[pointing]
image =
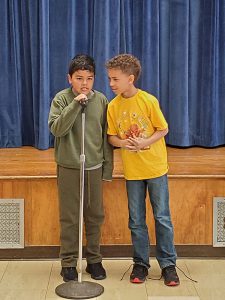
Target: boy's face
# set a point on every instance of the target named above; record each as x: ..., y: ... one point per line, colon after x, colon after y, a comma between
x: 82, y: 81
x: 120, y: 82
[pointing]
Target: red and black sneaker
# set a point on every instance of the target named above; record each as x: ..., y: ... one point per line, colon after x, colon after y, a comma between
x: 170, y: 276
x: 138, y: 274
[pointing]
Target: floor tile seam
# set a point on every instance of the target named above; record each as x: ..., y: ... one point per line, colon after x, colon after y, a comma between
x: 194, y: 283
x: 49, y: 281
x: 4, y: 272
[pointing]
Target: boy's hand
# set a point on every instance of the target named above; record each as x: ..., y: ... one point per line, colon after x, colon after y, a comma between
x: 125, y: 143
x: 82, y: 99
x: 137, y: 143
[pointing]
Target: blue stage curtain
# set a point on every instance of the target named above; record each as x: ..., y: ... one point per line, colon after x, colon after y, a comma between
x: 180, y: 43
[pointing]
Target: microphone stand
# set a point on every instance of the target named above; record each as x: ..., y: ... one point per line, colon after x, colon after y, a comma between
x: 80, y: 289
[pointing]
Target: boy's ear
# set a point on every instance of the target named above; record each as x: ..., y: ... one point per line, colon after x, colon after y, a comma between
x: 69, y: 78
x: 131, y: 79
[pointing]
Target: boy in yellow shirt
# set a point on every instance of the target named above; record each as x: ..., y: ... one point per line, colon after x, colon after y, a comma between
x: 137, y: 126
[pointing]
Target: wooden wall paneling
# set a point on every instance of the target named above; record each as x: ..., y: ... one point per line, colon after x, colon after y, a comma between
x: 191, y: 208
x: 7, y: 189
x: 45, y: 217
x: 19, y: 189
x: 1, y: 188
x: 191, y: 202
x: 22, y: 190
x: 214, y: 188
x: 196, y: 175
x: 188, y: 202
x: 115, y: 228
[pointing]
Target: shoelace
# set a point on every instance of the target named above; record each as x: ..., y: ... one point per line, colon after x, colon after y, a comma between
x: 186, y: 275
x: 179, y: 270
x: 161, y: 274
x: 126, y: 272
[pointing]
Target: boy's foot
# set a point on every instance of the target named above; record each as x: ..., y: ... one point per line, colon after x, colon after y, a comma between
x: 69, y: 273
x: 170, y: 276
x: 96, y: 270
x: 138, y: 274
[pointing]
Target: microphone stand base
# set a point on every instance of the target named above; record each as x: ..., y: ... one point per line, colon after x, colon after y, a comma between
x: 79, y: 290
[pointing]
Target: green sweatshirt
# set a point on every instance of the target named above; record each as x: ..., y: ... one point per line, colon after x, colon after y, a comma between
x: 65, y: 124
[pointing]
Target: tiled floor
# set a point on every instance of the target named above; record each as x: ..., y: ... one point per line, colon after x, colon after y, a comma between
x: 37, y: 280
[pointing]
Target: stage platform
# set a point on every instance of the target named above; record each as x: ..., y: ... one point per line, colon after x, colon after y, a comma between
x: 28, y: 162
x: 196, y: 175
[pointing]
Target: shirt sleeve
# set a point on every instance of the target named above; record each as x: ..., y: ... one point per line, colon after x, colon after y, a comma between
x: 156, y: 116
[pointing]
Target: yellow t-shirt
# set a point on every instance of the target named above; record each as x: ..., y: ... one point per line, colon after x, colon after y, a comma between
x: 141, y: 116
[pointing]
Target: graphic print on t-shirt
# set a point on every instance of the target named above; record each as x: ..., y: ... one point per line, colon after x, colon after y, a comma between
x: 131, y: 124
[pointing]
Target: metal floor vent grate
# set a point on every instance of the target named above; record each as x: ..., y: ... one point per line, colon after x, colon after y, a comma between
x: 11, y: 223
x: 219, y: 222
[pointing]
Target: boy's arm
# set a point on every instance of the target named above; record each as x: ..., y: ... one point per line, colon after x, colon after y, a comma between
x: 62, y: 116
x: 115, y: 141
x: 107, y: 148
x: 108, y: 158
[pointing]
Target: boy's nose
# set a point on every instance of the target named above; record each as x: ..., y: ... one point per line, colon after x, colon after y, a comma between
x: 84, y: 82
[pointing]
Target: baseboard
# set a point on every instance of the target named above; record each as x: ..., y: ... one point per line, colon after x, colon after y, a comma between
x: 110, y: 251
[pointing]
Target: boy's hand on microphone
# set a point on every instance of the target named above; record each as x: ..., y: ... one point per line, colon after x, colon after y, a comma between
x: 82, y: 99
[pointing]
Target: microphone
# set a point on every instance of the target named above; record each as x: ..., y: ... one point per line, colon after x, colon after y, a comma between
x: 83, y: 102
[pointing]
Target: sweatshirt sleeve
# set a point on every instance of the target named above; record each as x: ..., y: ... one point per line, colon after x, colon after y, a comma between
x: 108, y: 154
x: 62, y: 116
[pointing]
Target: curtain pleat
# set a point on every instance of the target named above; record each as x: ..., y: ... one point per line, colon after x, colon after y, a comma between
x: 180, y: 43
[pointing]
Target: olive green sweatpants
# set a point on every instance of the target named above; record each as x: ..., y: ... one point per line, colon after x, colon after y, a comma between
x: 69, y: 205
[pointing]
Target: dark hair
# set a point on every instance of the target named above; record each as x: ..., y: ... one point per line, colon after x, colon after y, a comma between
x: 82, y: 62
x: 127, y: 63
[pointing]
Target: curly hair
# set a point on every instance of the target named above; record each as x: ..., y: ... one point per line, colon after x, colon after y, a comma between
x: 127, y: 63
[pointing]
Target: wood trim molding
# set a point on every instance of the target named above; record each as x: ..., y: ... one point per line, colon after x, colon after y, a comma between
x: 110, y: 251
x: 200, y: 176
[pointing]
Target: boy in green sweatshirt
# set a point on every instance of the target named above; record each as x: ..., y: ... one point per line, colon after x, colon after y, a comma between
x: 65, y: 125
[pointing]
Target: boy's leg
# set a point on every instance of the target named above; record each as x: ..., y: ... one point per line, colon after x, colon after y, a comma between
x: 136, y: 192
x: 93, y: 218
x: 159, y: 198
x: 93, y: 214
x: 69, y: 202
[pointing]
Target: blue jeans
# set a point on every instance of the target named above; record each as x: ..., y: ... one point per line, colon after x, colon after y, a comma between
x: 159, y: 198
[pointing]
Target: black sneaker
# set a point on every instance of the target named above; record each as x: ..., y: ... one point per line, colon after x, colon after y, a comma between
x: 170, y: 276
x: 69, y: 273
x: 96, y: 270
x: 138, y: 274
